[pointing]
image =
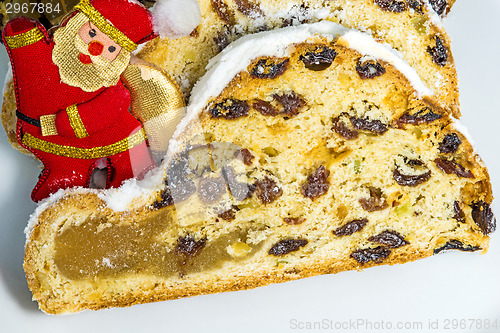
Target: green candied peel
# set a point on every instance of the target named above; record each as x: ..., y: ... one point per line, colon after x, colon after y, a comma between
x: 419, y: 23
x: 278, y: 262
x: 357, y: 166
x: 404, y: 209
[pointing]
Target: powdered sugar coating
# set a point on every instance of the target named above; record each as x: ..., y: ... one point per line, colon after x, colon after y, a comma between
x: 175, y: 18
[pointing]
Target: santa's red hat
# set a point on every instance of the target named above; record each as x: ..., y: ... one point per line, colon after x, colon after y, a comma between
x: 127, y: 22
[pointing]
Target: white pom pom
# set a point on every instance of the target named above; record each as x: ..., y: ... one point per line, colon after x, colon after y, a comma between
x: 175, y: 18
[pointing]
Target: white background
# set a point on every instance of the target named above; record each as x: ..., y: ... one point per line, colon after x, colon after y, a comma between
x: 454, y: 285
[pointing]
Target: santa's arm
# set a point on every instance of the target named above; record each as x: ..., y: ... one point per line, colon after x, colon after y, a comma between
x: 25, y: 40
x: 98, y: 114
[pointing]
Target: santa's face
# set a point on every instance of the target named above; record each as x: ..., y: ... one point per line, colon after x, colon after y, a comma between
x: 97, y: 43
x: 86, y: 57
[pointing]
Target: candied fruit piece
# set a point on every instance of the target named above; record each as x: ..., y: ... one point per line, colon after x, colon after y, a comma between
x: 239, y: 249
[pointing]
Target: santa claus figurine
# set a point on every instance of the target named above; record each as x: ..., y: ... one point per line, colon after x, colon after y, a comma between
x: 72, y: 107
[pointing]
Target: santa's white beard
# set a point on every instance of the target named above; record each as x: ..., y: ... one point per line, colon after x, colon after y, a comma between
x: 89, y: 77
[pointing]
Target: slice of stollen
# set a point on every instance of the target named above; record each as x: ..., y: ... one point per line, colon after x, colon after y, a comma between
x: 411, y: 27
x: 304, y: 152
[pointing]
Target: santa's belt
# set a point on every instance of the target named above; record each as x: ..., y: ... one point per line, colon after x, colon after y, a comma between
x: 118, y: 147
x: 27, y: 119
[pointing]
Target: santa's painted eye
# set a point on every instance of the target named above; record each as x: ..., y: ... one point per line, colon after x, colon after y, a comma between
x: 112, y: 49
x: 92, y: 33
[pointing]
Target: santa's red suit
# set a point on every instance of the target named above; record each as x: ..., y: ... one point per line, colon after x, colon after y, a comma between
x: 109, y: 133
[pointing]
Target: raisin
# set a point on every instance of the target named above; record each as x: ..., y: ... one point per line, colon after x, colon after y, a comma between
x: 457, y: 245
x: 230, y: 109
x: 439, y: 6
x: 319, y: 59
x: 394, y: 6
x: 178, y: 186
x: 459, y: 213
x: 424, y: 116
x: 377, y: 254
x: 245, y: 155
x: 269, y: 68
x: 350, y: 227
x: 223, y: 11
x: 188, y: 246
x: 228, y: 215
x: 375, y: 202
x: 416, y: 166
x: 178, y: 170
x: 341, y: 128
x: 291, y: 102
x: 211, y: 190
x: 316, y: 184
x: 483, y: 216
x: 223, y: 39
x: 265, y: 108
x: 369, y: 69
x: 165, y: 201
x: 390, y: 239
x: 410, y: 180
x: 449, y: 144
x: 294, y: 220
x: 249, y: 8
x: 267, y: 190
x: 439, y: 53
x: 416, y: 5
x: 452, y: 167
x: 238, y: 190
x: 195, y: 33
x: 286, y: 246
x: 365, y: 124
